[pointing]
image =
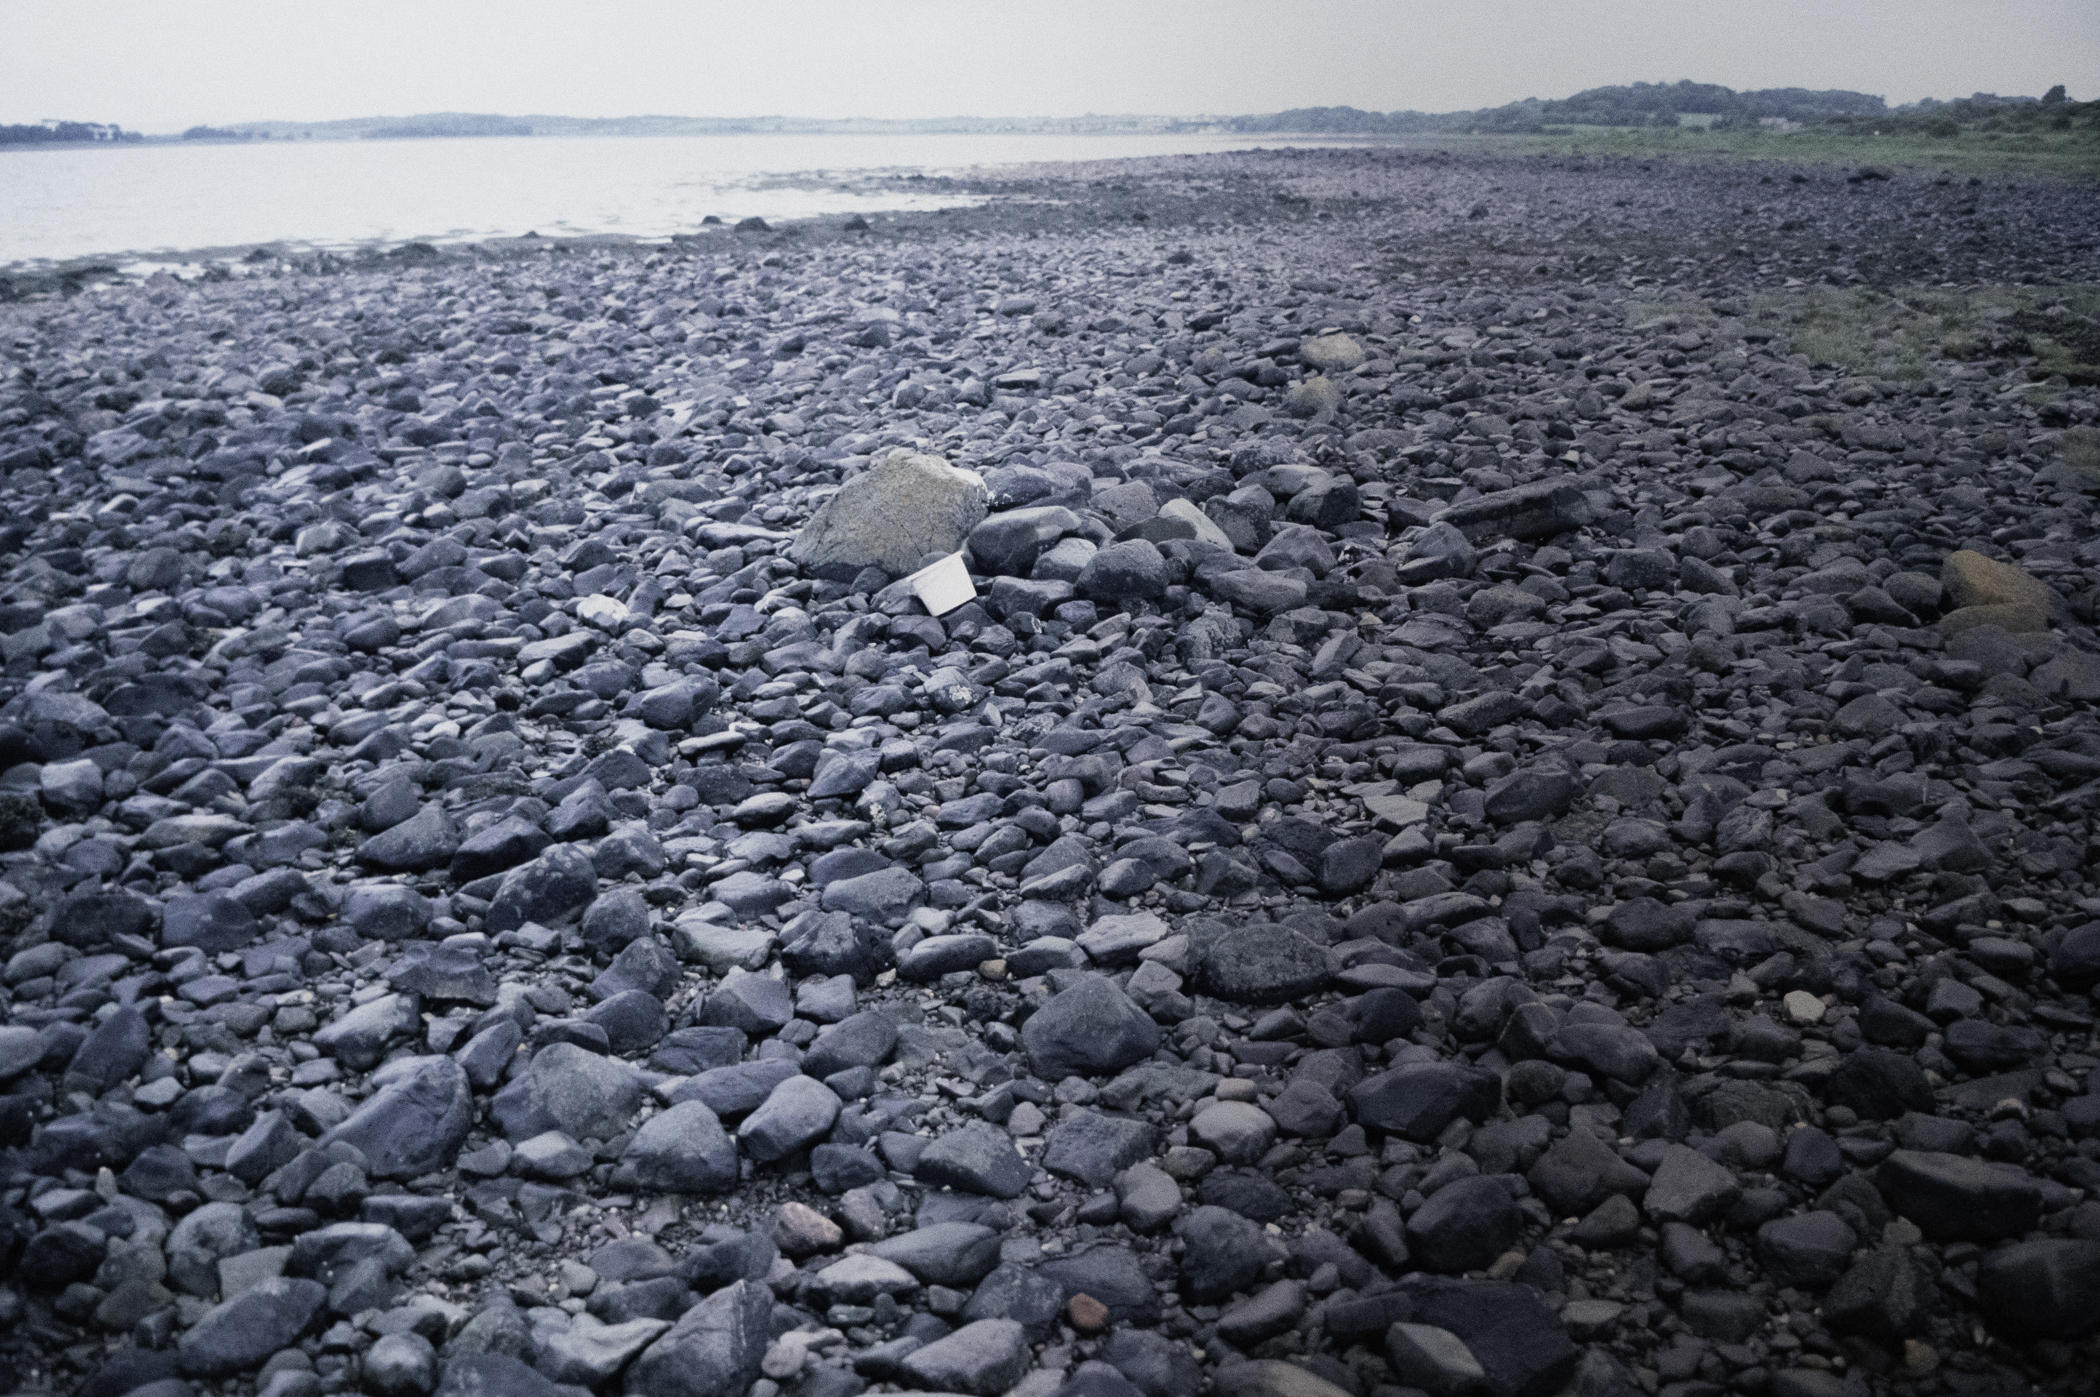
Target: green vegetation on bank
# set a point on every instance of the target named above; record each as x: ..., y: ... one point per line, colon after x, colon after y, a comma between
x: 2044, y: 154
x: 2040, y: 333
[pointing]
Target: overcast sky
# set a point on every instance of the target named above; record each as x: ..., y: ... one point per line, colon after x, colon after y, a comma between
x: 161, y: 65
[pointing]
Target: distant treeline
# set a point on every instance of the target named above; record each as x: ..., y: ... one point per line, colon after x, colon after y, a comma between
x: 1640, y: 104
x: 1662, y: 104
x: 64, y: 132
x: 1988, y: 112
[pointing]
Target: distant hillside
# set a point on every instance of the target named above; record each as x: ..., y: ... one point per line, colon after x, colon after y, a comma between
x: 1641, y: 104
x: 1638, y: 104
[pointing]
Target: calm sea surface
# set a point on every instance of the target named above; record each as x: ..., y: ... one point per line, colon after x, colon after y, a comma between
x: 167, y: 199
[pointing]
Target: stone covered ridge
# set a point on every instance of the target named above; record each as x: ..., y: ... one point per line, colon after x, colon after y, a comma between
x: 1471, y: 842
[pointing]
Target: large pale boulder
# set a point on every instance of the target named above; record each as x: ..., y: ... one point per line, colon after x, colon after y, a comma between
x: 890, y: 516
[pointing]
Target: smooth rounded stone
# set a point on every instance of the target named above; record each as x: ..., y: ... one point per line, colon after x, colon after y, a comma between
x: 2075, y: 963
x: 683, y: 1150
x: 72, y: 788
x: 589, y: 1358
x: 753, y: 1003
x: 571, y: 1089
x: 359, y: 1039
x: 386, y: 911
x: 954, y: 1254
x: 211, y: 922
x: 239, y: 1334
x: 1009, y: 542
x: 63, y: 1255
x: 1093, y: 1148
x: 1110, y: 1274
x: 1094, y: 1378
x: 1238, y: 1132
x: 984, y: 1357
x: 890, y: 516
x: 1618, y: 1051
x: 839, y: 1168
x: 90, y: 917
x: 1887, y: 1294
x: 1417, y: 1100
x: 1435, y: 1360
x: 738, y: 1088
x: 492, y: 1375
x: 1148, y: 1198
x: 832, y: 944
x: 749, y: 893
x: 1258, y: 964
x: 1955, y: 1198
x: 1243, y: 1191
x: 1532, y: 794
x: 978, y: 1158
x: 2049, y: 1287
x: 633, y: 1020
x: 1645, y: 925
x: 1271, y: 1377
x: 886, y: 896
x: 201, y: 1240
x: 1118, y: 940
x: 1688, y: 1187
x: 717, y: 946
x: 1030, y: 1297
x: 1258, y: 590
x: 401, y: 1365
x: 1222, y: 1252
x: 856, y: 1280
x: 1151, y: 1362
x: 1047, y: 953
x: 415, y: 1120
x: 426, y: 840
x: 936, y: 956
x: 1506, y: 1326
x: 716, y: 1346
x: 442, y: 972
x: 263, y: 1148
x: 739, y: 1256
x: 1614, y: 1223
x: 1807, y: 1251
x: 794, y: 1114
x: 641, y: 965
x: 112, y: 1053
x: 551, y: 890
x: 1464, y: 1226
x: 1579, y: 1172
x: 1089, y: 1029
x: 801, y: 1230
x: 1879, y: 1085
x: 497, y: 847
x: 1134, y: 570
x: 865, y: 1039
x: 1263, y: 1315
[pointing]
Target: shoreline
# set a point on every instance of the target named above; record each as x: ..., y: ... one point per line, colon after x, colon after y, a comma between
x: 1903, y: 156
x: 1516, y: 803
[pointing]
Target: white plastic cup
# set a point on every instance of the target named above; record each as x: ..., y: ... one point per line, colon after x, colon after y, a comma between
x: 944, y: 586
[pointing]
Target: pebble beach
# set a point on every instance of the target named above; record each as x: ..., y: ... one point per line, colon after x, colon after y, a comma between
x: 1496, y: 822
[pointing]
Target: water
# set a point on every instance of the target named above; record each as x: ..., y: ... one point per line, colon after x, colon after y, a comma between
x: 164, y: 200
